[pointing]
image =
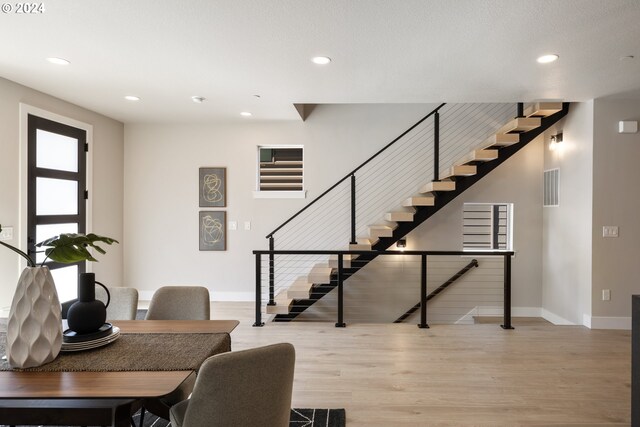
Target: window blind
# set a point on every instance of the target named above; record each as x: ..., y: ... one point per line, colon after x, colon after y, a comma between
x: 280, y: 169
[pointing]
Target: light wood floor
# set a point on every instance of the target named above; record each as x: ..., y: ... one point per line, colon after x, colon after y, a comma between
x: 453, y: 375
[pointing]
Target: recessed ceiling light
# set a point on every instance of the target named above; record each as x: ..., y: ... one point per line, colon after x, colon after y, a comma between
x: 246, y: 114
x: 256, y: 96
x: 132, y: 98
x: 198, y: 99
x: 58, y: 61
x: 545, y: 59
x: 321, y: 60
x: 627, y: 58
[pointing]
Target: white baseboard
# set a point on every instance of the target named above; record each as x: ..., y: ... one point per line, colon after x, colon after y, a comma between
x: 496, y: 311
x: 234, y: 296
x: 554, y: 318
x: 611, y: 323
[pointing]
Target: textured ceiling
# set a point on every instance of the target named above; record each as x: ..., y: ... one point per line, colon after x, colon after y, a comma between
x: 392, y: 51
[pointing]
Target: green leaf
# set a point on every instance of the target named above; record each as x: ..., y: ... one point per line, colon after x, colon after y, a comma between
x: 69, y: 248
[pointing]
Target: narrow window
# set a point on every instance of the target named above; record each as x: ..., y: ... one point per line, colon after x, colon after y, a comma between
x: 487, y: 226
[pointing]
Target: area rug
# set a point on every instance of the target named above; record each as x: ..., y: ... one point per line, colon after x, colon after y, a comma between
x: 299, y: 418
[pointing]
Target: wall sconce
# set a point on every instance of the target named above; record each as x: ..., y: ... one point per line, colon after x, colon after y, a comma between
x: 401, y: 244
x: 555, y: 141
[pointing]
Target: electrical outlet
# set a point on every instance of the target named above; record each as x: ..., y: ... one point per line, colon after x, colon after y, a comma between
x: 233, y: 225
x: 610, y: 231
x: 6, y: 233
x: 247, y: 225
x: 606, y: 295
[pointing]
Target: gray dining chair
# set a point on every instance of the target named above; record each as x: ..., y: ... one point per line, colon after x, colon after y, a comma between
x: 241, y: 388
x: 123, y: 304
x: 180, y: 303
x: 176, y: 303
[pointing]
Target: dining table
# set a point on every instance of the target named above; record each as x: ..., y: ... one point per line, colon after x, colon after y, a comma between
x: 101, y: 386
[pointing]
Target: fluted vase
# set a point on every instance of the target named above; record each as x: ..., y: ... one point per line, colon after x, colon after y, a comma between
x: 34, y: 330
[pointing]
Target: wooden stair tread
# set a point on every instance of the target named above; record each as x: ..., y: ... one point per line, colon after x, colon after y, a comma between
x: 399, y: 216
x: 366, y: 241
x: 502, y: 140
x: 461, y: 170
x: 362, y: 245
x: 283, y: 304
x: 435, y: 186
x: 520, y: 124
x: 543, y: 109
x: 377, y: 230
x: 346, y: 260
x: 300, y: 289
x: 380, y: 230
x: 483, y: 155
x: 419, y: 201
x: 320, y: 273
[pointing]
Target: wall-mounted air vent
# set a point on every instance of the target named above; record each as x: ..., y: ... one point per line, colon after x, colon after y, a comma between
x: 552, y: 187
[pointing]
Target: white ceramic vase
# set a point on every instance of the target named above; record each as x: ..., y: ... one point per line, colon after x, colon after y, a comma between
x: 34, y: 330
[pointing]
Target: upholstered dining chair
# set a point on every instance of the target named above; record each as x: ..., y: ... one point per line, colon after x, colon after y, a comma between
x: 179, y: 303
x: 176, y: 303
x: 241, y: 388
x: 124, y: 302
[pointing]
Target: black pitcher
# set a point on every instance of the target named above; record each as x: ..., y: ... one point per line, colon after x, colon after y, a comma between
x: 87, y: 314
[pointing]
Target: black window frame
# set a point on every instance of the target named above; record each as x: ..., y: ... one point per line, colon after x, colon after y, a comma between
x: 35, y: 123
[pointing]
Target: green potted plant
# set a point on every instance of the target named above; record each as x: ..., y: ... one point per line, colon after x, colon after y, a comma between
x: 35, y: 310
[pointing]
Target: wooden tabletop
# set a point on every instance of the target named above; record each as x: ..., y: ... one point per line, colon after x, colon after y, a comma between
x: 115, y: 385
x: 112, y: 385
x: 177, y: 326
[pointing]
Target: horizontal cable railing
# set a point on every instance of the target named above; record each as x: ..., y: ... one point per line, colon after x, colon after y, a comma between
x: 405, y: 276
x: 396, y: 172
x: 439, y: 289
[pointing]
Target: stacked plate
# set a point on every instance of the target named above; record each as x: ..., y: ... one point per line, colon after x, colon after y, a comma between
x: 95, y: 343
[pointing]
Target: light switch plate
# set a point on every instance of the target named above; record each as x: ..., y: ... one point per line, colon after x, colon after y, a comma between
x: 628, y: 126
x: 233, y: 225
x: 247, y: 225
x: 610, y: 231
x: 606, y: 295
x: 6, y: 233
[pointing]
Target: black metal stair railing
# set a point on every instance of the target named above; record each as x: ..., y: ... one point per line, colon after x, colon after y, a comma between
x: 341, y: 277
x: 435, y: 292
x: 344, y: 210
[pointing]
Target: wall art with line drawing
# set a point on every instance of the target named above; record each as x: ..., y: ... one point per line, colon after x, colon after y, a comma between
x: 213, y: 230
x: 213, y: 187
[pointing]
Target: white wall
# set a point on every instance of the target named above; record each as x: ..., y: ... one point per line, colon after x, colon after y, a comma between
x: 108, y: 138
x: 566, y: 230
x: 616, y: 201
x: 161, y: 194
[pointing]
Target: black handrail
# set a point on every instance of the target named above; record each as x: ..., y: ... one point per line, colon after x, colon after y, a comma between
x: 445, y: 285
x: 356, y: 169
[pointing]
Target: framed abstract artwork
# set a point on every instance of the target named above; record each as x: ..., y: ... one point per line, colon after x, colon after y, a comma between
x: 213, y: 230
x: 213, y: 187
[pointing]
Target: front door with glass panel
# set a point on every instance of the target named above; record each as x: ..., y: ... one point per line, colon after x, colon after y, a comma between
x: 56, y: 193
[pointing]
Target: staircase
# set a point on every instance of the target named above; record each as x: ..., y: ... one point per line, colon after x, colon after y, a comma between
x: 417, y: 208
